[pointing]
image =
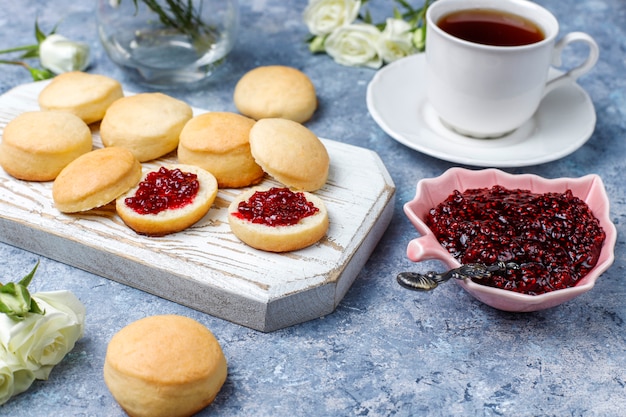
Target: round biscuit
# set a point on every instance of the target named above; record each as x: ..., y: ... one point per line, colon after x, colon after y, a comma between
x: 219, y: 143
x: 95, y: 179
x: 37, y: 145
x: 290, y: 153
x: 148, y: 124
x: 276, y: 91
x: 86, y: 95
x: 164, y: 366
x: 283, y: 238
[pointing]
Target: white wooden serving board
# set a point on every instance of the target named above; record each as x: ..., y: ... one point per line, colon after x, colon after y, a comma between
x: 206, y: 267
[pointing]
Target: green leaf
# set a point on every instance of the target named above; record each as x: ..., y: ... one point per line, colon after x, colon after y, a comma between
x: 36, y: 74
x: 32, y: 52
x: 27, y: 48
x: 15, y: 300
x: 367, y: 18
x: 40, y: 74
x: 39, y: 35
x: 29, y: 277
x: 136, y: 6
x: 316, y: 44
x: 406, y: 5
x: 34, y: 308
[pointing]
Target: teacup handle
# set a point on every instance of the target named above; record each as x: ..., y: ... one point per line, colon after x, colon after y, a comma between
x: 573, y: 74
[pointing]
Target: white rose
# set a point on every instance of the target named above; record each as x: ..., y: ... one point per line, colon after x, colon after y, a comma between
x: 355, y: 45
x: 14, y: 377
x: 42, y: 341
x: 396, y: 40
x: 59, y: 54
x: 324, y: 16
x: 7, y: 386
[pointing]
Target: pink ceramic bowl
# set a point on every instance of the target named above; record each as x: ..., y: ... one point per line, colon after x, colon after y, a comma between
x: 431, y: 192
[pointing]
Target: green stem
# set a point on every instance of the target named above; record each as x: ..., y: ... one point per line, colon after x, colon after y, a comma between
x: 180, y: 15
x: 23, y: 64
x: 19, y: 49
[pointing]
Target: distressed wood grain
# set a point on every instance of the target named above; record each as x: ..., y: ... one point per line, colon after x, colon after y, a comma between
x: 206, y: 267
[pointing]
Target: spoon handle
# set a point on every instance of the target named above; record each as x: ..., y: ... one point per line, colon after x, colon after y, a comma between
x: 430, y: 280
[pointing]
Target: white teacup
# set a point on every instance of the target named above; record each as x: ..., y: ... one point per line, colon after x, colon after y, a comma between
x: 487, y: 91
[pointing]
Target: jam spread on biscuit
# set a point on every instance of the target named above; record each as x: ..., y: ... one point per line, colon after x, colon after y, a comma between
x: 276, y: 207
x: 164, y: 189
x: 554, y: 237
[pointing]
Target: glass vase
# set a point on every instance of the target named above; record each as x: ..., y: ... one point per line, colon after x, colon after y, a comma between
x: 168, y: 43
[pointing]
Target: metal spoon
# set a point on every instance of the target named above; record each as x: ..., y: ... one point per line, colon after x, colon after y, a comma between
x: 430, y: 280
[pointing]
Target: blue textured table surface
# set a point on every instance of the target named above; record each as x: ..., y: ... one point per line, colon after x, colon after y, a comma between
x: 385, y: 350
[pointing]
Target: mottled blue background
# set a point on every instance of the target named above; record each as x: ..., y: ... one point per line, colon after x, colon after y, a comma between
x: 385, y: 351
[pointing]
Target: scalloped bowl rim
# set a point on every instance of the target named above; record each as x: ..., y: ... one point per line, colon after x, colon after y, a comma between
x: 432, y: 191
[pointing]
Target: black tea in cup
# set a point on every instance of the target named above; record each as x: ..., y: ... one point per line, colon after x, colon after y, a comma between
x: 491, y: 27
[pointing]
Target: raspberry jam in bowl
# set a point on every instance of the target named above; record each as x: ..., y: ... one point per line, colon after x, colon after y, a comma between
x: 584, y: 193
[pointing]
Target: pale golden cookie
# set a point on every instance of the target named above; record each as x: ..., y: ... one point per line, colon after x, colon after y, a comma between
x: 164, y: 366
x: 37, y: 145
x: 219, y: 142
x: 290, y: 153
x: 148, y: 124
x: 276, y: 91
x: 86, y: 95
x: 95, y: 179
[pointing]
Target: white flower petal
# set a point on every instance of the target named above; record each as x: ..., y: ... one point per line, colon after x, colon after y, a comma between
x: 15, y: 378
x: 30, y: 347
x: 355, y: 45
x: 397, y: 29
x: 324, y: 16
x: 59, y: 54
x: 396, y: 40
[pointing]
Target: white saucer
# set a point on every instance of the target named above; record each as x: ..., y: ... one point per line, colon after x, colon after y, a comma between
x: 396, y: 99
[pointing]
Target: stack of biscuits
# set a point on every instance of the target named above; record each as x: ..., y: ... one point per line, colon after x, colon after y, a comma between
x: 224, y: 149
